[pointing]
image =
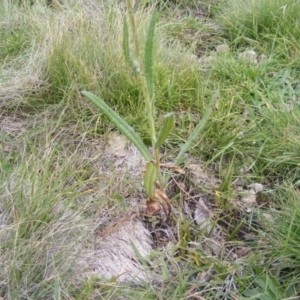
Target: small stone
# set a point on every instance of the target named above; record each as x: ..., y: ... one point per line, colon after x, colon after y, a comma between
x: 262, y: 58
x: 243, y: 251
x: 205, y: 61
x: 249, y: 197
x: 170, y: 247
x: 193, y: 57
x: 250, y: 236
x: 222, y: 48
x: 249, y: 56
x: 256, y: 187
x: 117, y: 145
x: 202, y: 217
x: 266, y: 219
x: 197, y: 170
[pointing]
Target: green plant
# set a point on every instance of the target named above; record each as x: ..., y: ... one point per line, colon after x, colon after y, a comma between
x: 143, y: 66
x: 267, y: 287
x: 260, y: 20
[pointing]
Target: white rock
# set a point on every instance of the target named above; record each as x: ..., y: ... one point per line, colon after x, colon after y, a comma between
x: 205, y: 61
x: 249, y: 197
x: 262, y: 58
x: 222, y: 48
x: 197, y: 171
x: 256, y: 187
x: 117, y: 144
x: 249, y: 56
x: 200, y: 175
x: 267, y: 219
x: 202, y: 217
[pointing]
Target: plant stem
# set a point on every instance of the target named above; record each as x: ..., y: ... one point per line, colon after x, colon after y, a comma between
x: 145, y: 88
x: 141, y: 74
x: 134, y: 33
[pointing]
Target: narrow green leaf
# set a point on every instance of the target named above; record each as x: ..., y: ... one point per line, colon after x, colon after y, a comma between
x: 275, y: 287
x: 149, y: 179
x: 149, y: 59
x: 167, y: 125
x: 56, y: 292
x: 121, y: 124
x: 5, y: 137
x: 233, y: 234
x: 126, y: 49
x: 198, y: 129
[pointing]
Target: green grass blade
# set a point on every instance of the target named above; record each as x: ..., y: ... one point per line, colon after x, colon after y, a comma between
x: 149, y: 60
x: 121, y: 124
x: 198, y: 129
x: 5, y: 137
x: 165, y: 129
x: 56, y: 292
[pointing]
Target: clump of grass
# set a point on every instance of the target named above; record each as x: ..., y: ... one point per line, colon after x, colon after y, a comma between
x: 255, y: 20
x: 13, y: 42
x: 279, y: 278
x: 54, y: 193
x: 37, y: 226
x: 22, y: 71
x: 258, y: 97
x: 268, y: 26
x: 14, y: 36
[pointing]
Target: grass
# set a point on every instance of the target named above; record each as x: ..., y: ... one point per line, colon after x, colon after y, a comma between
x: 36, y: 231
x: 60, y: 180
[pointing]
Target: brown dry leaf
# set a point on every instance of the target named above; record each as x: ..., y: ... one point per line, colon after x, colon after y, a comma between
x: 162, y: 197
x: 152, y: 207
x: 173, y: 168
x: 243, y: 251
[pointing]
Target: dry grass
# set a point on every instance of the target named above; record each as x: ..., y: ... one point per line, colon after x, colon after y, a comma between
x: 22, y: 78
